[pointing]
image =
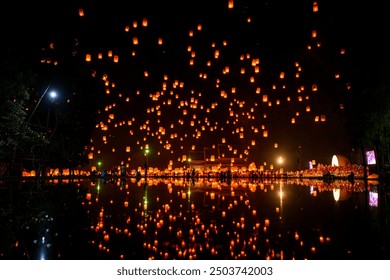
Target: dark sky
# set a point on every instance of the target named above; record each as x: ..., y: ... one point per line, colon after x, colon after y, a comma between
x: 204, y: 105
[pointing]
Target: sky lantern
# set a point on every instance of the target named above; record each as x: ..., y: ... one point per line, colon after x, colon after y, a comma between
x: 81, y: 12
x: 231, y: 4
x: 116, y: 58
x: 237, y: 112
x: 88, y: 57
x: 109, y: 53
x: 315, y: 6
x: 323, y: 118
x: 135, y: 24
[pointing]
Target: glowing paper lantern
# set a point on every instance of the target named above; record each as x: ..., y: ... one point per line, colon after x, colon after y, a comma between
x: 315, y: 6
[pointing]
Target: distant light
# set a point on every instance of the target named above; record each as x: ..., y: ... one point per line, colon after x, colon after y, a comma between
x: 53, y: 94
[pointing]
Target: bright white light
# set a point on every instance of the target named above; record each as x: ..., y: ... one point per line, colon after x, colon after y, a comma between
x: 280, y: 160
x: 53, y: 94
x: 335, y: 161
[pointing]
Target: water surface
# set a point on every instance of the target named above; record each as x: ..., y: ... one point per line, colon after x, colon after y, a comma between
x: 193, y: 219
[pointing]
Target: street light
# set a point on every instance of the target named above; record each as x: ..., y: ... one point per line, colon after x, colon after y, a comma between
x: 280, y: 161
x: 53, y: 95
x: 146, y: 162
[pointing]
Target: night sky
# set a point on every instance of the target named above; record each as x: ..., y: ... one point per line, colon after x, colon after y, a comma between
x: 197, y: 75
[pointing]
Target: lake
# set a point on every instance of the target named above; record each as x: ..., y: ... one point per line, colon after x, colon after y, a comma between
x: 202, y: 218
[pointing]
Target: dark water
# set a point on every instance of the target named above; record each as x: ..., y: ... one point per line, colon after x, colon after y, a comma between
x: 200, y: 219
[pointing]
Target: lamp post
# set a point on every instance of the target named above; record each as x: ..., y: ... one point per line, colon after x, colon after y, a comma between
x: 280, y: 163
x: 53, y: 95
x: 146, y: 162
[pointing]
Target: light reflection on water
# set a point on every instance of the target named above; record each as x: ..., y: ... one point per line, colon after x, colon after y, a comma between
x: 194, y: 219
